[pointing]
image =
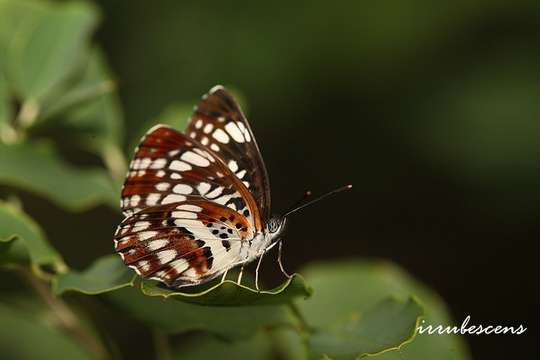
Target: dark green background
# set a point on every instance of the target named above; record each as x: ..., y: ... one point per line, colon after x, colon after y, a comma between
x: 431, y: 110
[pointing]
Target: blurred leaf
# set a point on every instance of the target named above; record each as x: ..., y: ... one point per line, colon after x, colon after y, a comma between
x: 367, y: 283
x: 92, y: 81
x: 42, y: 43
x: 388, y: 325
x: 37, y: 168
x: 21, y: 240
x: 256, y: 347
x: 7, y: 133
x: 24, y: 337
x: 105, y: 274
x: 94, y: 116
x: 230, y: 322
x: 269, y: 343
x: 482, y: 128
x: 229, y: 293
x: 176, y: 115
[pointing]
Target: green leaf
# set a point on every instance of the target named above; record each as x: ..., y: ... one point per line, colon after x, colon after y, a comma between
x: 229, y: 293
x: 366, y: 283
x: 24, y: 337
x: 387, y: 326
x: 230, y: 322
x: 38, y: 169
x: 7, y: 134
x: 92, y: 114
x: 268, y: 343
x: 22, y: 241
x: 105, y: 274
x: 42, y: 43
x: 257, y: 347
x: 176, y: 115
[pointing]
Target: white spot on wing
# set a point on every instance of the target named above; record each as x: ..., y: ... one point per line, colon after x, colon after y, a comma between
x: 141, y: 225
x: 184, y: 215
x: 189, y: 207
x: 157, y: 244
x: 203, y: 188
x: 216, y: 192
x: 145, y: 235
x: 152, y: 199
x: 158, y: 163
x: 163, y: 186
x: 215, y: 88
x: 166, y: 256
x: 241, y: 174
x: 208, y: 128
x: 182, y: 189
x: 145, y: 163
x: 173, y: 198
x: 214, y: 147
x: 195, y: 159
x: 176, y: 176
x: 233, y: 166
x: 235, y: 132
x: 241, y: 126
x: 221, y: 136
x: 180, y: 166
x: 143, y: 265
x: 179, y: 265
x: 198, y: 124
x: 134, y: 200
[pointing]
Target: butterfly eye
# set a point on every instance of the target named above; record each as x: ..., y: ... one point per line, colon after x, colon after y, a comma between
x: 274, y: 225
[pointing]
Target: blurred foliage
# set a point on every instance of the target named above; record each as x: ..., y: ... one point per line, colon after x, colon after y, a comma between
x: 57, y: 99
x: 22, y: 242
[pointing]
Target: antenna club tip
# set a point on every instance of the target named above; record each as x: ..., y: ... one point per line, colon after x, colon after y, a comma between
x: 308, y: 193
x: 348, y: 186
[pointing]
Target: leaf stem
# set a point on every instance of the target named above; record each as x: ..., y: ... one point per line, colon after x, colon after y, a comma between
x: 68, y: 320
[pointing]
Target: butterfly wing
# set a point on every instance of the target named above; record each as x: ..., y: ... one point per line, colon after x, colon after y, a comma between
x: 183, y: 243
x: 175, y: 192
x: 219, y: 124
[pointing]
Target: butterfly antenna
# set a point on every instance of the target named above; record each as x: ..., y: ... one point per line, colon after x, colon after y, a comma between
x: 295, y: 208
x: 297, y: 203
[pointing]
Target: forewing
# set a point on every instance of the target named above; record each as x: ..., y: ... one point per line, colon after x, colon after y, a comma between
x: 169, y: 167
x: 183, y: 243
x: 219, y: 124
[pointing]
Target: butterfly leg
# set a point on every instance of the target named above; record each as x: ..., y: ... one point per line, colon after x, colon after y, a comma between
x: 279, y: 261
x: 240, y: 275
x: 257, y: 272
x: 224, y: 275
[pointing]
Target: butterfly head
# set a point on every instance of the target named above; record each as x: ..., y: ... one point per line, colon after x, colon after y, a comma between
x: 275, y: 227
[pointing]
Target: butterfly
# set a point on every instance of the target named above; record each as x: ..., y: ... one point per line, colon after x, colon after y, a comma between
x: 197, y: 204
